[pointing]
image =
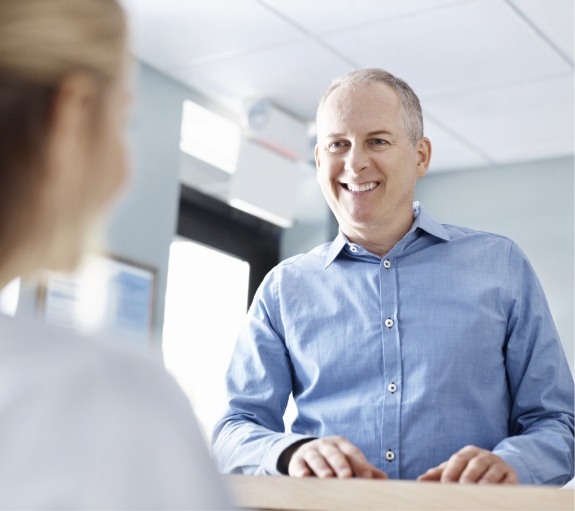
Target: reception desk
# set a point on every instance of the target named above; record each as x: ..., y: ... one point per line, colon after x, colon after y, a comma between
x: 312, y: 494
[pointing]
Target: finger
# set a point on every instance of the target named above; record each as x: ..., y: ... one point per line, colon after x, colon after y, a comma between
x: 433, y: 474
x: 495, y: 474
x: 300, y: 470
x: 378, y: 474
x: 337, y: 460
x: 358, y: 462
x: 298, y: 467
x: 321, y: 457
x: 499, y: 473
x: 368, y: 471
x: 332, y: 456
x: 317, y: 464
x: 488, y: 468
x: 511, y: 477
x: 457, y: 464
x: 453, y: 470
x: 478, y: 467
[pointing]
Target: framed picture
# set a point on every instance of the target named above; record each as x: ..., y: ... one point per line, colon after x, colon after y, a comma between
x: 108, y: 294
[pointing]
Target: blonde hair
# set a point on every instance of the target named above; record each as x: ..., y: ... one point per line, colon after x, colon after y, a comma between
x: 411, y: 114
x: 41, y: 43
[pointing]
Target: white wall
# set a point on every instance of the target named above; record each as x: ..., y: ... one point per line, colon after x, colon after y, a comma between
x: 312, y: 225
x: 531, y: 203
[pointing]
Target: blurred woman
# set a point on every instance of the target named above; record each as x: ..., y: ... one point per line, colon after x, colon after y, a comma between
x: 82, y: 424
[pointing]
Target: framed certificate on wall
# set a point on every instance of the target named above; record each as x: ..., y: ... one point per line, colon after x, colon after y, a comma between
x: 108, y: 294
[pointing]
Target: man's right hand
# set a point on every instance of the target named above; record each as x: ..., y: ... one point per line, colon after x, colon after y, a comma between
x: 332, y: 456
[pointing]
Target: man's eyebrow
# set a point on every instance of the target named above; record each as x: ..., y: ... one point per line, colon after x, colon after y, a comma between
x: 379, y: 132
x: 369, y: 134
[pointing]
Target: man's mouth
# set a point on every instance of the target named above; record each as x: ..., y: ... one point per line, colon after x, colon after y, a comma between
x: 364, y: 187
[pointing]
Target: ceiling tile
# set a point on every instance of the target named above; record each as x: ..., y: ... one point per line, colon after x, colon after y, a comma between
x: 555, y: 19
x: 170, y: 32
x: 289, y: 76
x: 323, y: 16
x: 459, y: 47
x: 448, y: 152
x: 529, y: 121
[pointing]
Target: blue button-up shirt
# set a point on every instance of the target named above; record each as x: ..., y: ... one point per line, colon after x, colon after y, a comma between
x: 444, y: 342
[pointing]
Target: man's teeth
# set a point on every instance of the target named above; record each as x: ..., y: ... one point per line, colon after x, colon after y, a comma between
x: 361, y: 188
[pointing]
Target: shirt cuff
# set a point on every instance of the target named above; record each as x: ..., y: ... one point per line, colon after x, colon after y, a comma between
x: 523, y: 473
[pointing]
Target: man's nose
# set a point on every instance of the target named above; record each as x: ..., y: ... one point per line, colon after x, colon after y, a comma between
x: 356, y: 159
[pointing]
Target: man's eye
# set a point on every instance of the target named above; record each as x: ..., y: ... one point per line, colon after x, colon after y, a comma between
x: 336, y: 146
x: 378, y: 141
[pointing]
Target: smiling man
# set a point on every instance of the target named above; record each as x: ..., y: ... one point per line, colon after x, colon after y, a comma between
x: 368, y: 162
x: 413, y: 350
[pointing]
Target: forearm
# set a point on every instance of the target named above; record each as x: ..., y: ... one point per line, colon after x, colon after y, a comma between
x: 540, y: 442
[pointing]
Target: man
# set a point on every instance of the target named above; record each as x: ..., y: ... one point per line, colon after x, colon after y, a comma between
x: 413, y: 350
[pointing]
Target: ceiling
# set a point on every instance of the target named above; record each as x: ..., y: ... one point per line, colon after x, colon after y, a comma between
x: 495, y: 77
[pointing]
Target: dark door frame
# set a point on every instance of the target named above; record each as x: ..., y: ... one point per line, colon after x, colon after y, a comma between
x: 209, y: 221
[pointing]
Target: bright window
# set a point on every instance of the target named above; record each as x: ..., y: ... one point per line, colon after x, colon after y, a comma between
x: 9, y: 297
x: 206, y: 303
x: 210, y: 137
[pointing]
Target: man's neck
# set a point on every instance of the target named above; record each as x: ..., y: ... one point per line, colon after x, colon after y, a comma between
x: 380, y: 240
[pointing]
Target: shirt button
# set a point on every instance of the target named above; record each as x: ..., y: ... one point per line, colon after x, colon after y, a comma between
x: 388, y: 323
x: 389, y: 455
x: 353, y: 248
x: 387, y: 264
x: 392, y: 387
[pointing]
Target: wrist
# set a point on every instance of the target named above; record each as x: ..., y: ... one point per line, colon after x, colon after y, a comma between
x: 286, y: 455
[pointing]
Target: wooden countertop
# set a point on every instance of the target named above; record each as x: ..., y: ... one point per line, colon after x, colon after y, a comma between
x: 312, y: 494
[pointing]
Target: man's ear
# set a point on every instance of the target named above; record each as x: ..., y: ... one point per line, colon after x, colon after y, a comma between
x: 316, y: 161
x: 423, y: 150
x: 71, y: 121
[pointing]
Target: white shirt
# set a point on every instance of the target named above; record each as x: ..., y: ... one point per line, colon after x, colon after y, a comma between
x: 84, y: 424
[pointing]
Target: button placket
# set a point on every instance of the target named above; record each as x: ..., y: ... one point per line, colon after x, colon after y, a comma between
x: 391, y: 344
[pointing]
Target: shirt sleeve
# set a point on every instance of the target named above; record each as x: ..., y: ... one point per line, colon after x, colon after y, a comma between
x: 540, y: 445
x: 251, y: 436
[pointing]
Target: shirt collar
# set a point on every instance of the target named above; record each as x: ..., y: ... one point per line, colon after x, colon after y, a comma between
x: 422, y: 220
x: 426, y: 223
x: 335, y: 248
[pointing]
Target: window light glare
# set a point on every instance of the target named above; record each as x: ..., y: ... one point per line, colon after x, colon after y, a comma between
x: 209, y: 136
x: 9, y: 298
x: 197, y: 344
x: 286, y: 223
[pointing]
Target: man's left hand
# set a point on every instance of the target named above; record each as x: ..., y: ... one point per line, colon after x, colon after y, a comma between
x: 472, y: 465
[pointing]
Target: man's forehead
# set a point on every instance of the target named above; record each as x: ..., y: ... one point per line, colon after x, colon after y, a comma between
x: 362, y: 93
x: 357, y: 104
